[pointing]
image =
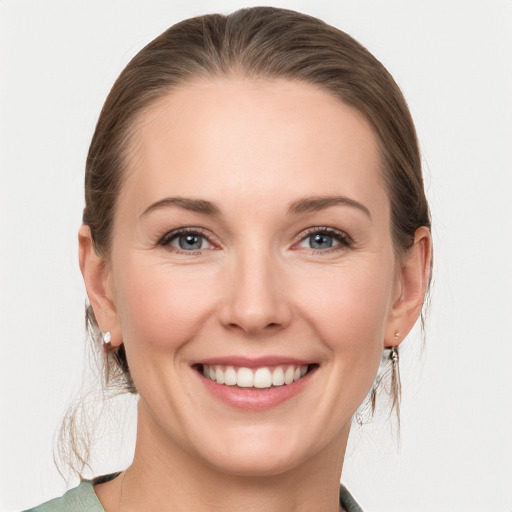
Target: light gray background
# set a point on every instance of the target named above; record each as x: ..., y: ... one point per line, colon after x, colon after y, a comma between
x: 453, y: 59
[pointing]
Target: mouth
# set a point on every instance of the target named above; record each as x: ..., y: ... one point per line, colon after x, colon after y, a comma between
x: 260, y: 377
x: 255, y: 384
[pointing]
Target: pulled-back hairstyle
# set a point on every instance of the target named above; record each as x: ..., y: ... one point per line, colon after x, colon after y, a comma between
x: 263, y: 43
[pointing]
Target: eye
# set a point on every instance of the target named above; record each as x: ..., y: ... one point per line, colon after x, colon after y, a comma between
x: 325, y: 239
x: 186, y: 240
x: 321, y: 241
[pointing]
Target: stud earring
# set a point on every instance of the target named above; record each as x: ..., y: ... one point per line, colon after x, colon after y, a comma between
x: 107, y: 338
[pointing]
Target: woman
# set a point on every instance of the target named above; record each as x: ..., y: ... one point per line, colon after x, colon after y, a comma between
x: 255, y: 238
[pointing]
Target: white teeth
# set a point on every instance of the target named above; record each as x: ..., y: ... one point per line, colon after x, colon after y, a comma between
x: 230, y: 376
x: 288, y: 375
x: 244, y: 378
x: 219, y: 376
x: 262, y: 378
x: 278, y: 377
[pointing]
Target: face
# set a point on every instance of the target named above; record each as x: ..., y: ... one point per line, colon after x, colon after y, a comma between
x: 252, y: 272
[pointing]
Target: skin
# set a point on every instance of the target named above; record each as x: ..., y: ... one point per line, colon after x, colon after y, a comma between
x: 255, y: 288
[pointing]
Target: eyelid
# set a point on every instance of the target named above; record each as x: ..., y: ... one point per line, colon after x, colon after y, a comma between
x: 344, y: 239
x: 188, y: 230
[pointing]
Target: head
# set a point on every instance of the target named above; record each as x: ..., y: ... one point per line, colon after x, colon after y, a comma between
x: 255, y: 64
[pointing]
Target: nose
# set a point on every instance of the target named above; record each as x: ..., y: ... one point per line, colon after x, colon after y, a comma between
x: 256, y: 300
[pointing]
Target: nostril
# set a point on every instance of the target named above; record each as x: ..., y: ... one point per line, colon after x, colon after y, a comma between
x: 253, y: 326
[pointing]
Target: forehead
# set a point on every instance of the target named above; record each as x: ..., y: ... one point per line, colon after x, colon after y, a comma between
x: 237, y: 137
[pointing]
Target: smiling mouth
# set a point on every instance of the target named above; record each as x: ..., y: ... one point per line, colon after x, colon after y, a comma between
x: 263, y: 377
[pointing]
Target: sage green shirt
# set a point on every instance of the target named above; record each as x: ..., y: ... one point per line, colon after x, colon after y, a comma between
x: 84, y: 499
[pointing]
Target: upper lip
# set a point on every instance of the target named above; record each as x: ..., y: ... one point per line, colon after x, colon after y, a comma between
x: 253, y: 362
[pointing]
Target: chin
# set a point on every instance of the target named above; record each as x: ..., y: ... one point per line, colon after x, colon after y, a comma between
x: 257, y: 463
x: 264, y: 451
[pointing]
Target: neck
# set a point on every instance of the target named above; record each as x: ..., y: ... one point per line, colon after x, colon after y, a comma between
x: 163, y: 476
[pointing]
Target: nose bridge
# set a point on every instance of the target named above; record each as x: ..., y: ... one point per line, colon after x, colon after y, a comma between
x: 256, y: 298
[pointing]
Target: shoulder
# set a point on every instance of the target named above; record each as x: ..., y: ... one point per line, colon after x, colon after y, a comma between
x: 80, y: 499
x: 347, y: 502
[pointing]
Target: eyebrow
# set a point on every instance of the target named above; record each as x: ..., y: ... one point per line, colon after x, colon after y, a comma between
x: 317, y: 203
x: 303, y: 205
x: 193, y: 205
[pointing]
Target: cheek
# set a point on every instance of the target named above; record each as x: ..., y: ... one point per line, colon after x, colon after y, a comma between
x: 349, y: 308
x: 160, y: 305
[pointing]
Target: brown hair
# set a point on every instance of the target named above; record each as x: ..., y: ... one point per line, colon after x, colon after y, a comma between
x: 260, y: 42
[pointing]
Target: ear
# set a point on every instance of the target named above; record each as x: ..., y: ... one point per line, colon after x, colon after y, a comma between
x: 98, y: 284
x: 412, y: 282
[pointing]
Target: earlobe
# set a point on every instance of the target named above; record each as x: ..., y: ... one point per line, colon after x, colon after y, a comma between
x: 414, y: 276
x: 98, y: 283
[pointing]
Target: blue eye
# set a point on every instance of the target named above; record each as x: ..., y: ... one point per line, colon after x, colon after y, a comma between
x: 325, y: 239
x: 186, y: 240
x: 190, y: 242
x: 320, y: 241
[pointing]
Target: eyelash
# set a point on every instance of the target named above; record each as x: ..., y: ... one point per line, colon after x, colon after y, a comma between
x: 171, y: 235
x: 344, y: 240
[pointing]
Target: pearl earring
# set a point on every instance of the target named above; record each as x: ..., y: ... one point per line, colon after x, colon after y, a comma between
x: 106, y: 337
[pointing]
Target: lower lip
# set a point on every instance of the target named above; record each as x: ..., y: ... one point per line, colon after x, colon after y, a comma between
x: 254, y: 399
